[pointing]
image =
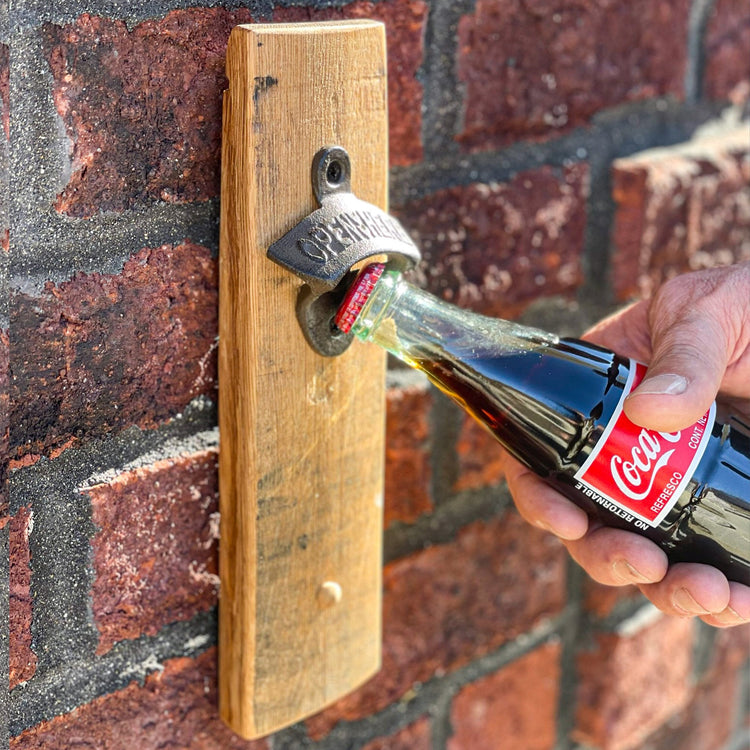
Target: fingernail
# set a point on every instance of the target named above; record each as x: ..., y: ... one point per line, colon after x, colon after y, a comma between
x: 728, y: 617
x: 626, y: 573
x: 660, y: 385
x: 683, y: 601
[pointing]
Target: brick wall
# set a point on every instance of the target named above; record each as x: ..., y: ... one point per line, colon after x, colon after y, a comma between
x: 551, y: 158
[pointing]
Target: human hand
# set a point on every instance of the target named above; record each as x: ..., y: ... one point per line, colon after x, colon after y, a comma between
x: 695, y: 333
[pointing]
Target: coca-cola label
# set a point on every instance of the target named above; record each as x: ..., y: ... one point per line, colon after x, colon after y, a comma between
x: 638, y: 473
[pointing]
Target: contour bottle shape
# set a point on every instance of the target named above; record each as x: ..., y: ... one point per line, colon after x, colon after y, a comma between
x: 556, y: 405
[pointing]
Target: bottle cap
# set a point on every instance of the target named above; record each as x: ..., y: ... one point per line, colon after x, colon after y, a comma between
x: 359, y: 292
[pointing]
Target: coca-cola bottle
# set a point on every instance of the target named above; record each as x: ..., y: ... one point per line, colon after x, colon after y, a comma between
x: 556, y: 405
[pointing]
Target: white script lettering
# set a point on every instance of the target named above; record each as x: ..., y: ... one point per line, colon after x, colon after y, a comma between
x: 644, y: 464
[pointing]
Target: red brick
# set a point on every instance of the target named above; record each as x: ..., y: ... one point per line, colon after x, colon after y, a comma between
x: 498, y: 247
x: 533, y: 69
x: 4, y: 423
x: 731, y: 649
x: 416, y: 736
x: 630, y: 683
x: 680, y: 208
x: 727, y: 49
x: 175, y: 709
x: 405, y: 27
x: 155, y: 552
x: 141, y: 107
x: 479, y: 457
x: 515, y: 707
x: 601, y: 600
x: 706, y: 723
x: 708, y: 720
x: 22, y: 658
x: 452, y: 603
x: 102, y: 352
x: 407, y: 455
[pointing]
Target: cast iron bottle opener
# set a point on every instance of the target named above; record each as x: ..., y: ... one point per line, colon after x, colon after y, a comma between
x: 324, y: 246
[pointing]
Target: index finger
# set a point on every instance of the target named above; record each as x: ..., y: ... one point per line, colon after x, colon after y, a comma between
x: 541, y: 505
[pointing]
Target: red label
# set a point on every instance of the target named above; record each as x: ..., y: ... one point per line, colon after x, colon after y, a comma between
x: 642, y: 472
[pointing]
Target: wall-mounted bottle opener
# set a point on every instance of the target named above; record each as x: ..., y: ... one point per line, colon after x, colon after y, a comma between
x: 302, y: 435
x: 324, y: 247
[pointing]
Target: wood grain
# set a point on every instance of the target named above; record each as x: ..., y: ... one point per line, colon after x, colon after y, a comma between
x: 301, y: 460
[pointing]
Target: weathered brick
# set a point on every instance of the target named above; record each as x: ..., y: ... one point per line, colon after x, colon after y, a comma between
x: 452, y: 603
x: 514, y: 707
x: 709, y: 719
x: 407, y: 455
x: 155, y: 551
x: 727, y: 49
x: 479, y: 457
x: 680, y: 208
x: 416, y: 736
x: 601, y: 600
x: 101, y: 352
x: 498, y: 247
x: 4, y: 423
x: 634, y: 680
x: 533, y: 69
x: 174, y: 709
x: 405, y: 23
x: 731, y: 650
x: 141, y: 106
x: 21, y: 657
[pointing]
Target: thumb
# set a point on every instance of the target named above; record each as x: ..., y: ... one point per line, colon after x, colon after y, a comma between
x: 689, y: 359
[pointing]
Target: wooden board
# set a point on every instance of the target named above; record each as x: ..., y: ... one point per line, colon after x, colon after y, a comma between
x: 301, y: 461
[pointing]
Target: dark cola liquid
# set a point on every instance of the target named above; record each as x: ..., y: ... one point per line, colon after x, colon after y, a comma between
x: 548, y: 406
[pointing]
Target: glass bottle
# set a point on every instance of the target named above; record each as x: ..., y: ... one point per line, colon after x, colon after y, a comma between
x: 556, y: 405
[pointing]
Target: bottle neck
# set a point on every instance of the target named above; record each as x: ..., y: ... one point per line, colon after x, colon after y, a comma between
x: 538, y: 395
x: 415, y: 326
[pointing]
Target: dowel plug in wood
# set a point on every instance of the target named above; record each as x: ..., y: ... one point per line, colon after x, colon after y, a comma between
x: 329, y: 594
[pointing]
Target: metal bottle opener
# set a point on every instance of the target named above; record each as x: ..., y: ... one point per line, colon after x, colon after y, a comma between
x: 324, y: 246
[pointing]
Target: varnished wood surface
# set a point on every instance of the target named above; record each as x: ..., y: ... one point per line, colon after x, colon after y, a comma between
x: 301, y: 458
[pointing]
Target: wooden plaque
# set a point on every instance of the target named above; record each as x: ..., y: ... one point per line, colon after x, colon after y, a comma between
x: 301, y: 455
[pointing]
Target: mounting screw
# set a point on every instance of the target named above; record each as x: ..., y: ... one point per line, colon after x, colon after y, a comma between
x: 331, y: 172
x: 334, y: 173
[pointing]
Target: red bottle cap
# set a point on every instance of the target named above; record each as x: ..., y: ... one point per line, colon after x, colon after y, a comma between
x: 359, y: 292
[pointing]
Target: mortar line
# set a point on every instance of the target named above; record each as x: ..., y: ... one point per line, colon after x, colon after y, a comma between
x: 39, y: 12
x: 74, y: 466
x: 78, y: 682
x: 700, y: 15
x: 445, y: 522
x: 88, y: 245
x: 622, y: 130
x: 445, y: 421
x: 402, y: 713
x: 442, y: 91
x: 52, y: 246
x: 571, y: 633
x: 62, y: 626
